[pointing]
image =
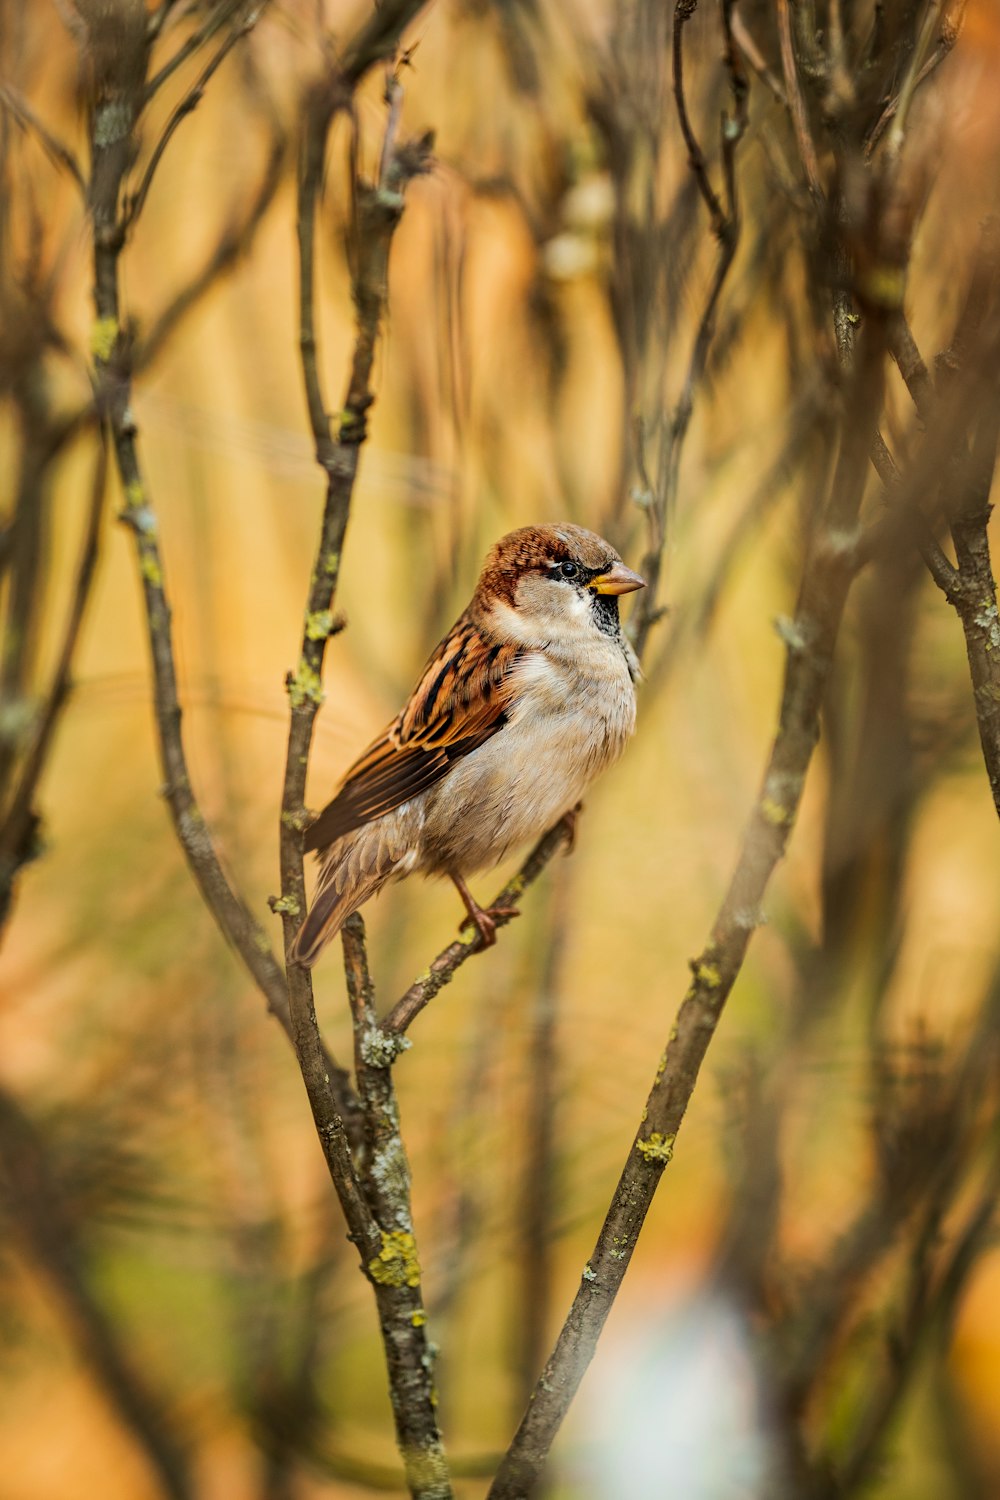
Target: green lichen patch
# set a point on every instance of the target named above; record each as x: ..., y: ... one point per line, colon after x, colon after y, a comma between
x: 151, y: 570
x: 304, y: 686
x: 103, y: 336
x: 286, y: 906
x: 656, y: 1147
x: 319, y: 624
x: 774, y: 813
x: 396, y: 1264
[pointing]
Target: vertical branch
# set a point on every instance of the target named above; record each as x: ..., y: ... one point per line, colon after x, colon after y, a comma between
x: 963, y: 423
x: 118, y: 59
x: 18, y: 821
x: 797, y: 104
x: 395, y: 1270
x: 388, y: 1247
x: 538, y: 1171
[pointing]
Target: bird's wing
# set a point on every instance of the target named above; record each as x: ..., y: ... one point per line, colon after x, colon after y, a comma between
x: 459, y: 703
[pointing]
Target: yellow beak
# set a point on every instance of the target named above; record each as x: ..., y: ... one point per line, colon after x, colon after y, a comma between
x: 617, y: 580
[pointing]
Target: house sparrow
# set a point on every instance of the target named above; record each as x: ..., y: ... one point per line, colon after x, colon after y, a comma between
x: 527, y: 698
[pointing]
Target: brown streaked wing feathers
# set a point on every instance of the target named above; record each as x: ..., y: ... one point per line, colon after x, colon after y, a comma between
x: 459, y: 703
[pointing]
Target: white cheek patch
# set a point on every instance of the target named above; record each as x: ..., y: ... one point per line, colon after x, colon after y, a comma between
x: 511, y: 624
x: 547, y: 609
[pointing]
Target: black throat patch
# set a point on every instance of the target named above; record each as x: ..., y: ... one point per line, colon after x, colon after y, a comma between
x: 605, y: 611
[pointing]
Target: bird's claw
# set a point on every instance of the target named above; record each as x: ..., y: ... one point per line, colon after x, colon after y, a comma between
x: 485, y: 921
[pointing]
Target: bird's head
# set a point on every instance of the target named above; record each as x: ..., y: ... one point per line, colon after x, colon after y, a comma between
x: 545, y: 583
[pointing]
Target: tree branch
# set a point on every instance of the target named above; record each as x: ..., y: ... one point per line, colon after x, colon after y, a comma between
x: 395, y: 1270
x: 444, y: 968
x: 18, y: 819
x: 390, y: 1258
x: 810, y: 640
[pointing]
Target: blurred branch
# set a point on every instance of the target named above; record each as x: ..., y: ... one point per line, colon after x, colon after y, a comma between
x: 218, y: 17
x: 377, y: 39
x: 966, y: 421
x: 234, y: 241
x: 52, y: 1247
x: 797, y: 104
x: 134, y: 202
x: 658, y: 499
x: 18, y: 818
x: 951, y: 27
x: 756, y: 59
x: 56, y: 149
x: 690, y: 623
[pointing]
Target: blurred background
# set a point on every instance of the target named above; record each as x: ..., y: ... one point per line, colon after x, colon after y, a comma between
x: 161, y: 1184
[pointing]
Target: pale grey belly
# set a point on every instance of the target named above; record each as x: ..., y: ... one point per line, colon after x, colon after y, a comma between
x: 510, y: 790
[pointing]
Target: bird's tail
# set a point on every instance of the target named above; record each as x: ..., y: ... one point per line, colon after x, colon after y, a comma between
x: 350, y: 876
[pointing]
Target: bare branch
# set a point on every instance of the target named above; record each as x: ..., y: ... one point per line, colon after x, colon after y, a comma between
x: 56, y: 149
x: 810, y: 640
x: 18, y: 816
x: 797, y: 105
x: 232, y: 244
x: 659, y: 498
x: 189, y: 103
x: 444, y: 968
x: 390, y: 1256
x: 217, y: 18
x: 756, y: 59
x: 395, y: 1272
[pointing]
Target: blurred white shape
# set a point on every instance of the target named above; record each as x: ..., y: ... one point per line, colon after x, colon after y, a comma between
x: 676, y: 1410
x: 567, y: 256
x: 589, y: 203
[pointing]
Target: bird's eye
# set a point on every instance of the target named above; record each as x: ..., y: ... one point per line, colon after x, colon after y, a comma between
x: 569, y: 570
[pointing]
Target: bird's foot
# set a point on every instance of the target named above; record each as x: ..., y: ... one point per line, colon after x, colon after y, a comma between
x: 487, y: 919
x: 569, y: 822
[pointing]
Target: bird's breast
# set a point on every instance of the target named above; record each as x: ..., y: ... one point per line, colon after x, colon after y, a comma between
x: 567, y: 721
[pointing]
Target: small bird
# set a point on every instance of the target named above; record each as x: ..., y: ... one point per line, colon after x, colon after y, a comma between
x: 528, y: 697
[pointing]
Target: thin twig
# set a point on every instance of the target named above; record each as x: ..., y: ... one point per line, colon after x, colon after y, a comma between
x: 659, y: 499
x: 911, y: 80
x: 18, y: 815
x: 218, y: 18
x: 967, y: 430
x: 683, y: 11
x: 56, y: 149
x: 444, y: 968
x: 797, y: 105
x: 113, y: 395
x: 756, y: 59
x: 189, y: 103
x: 232, y: 244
